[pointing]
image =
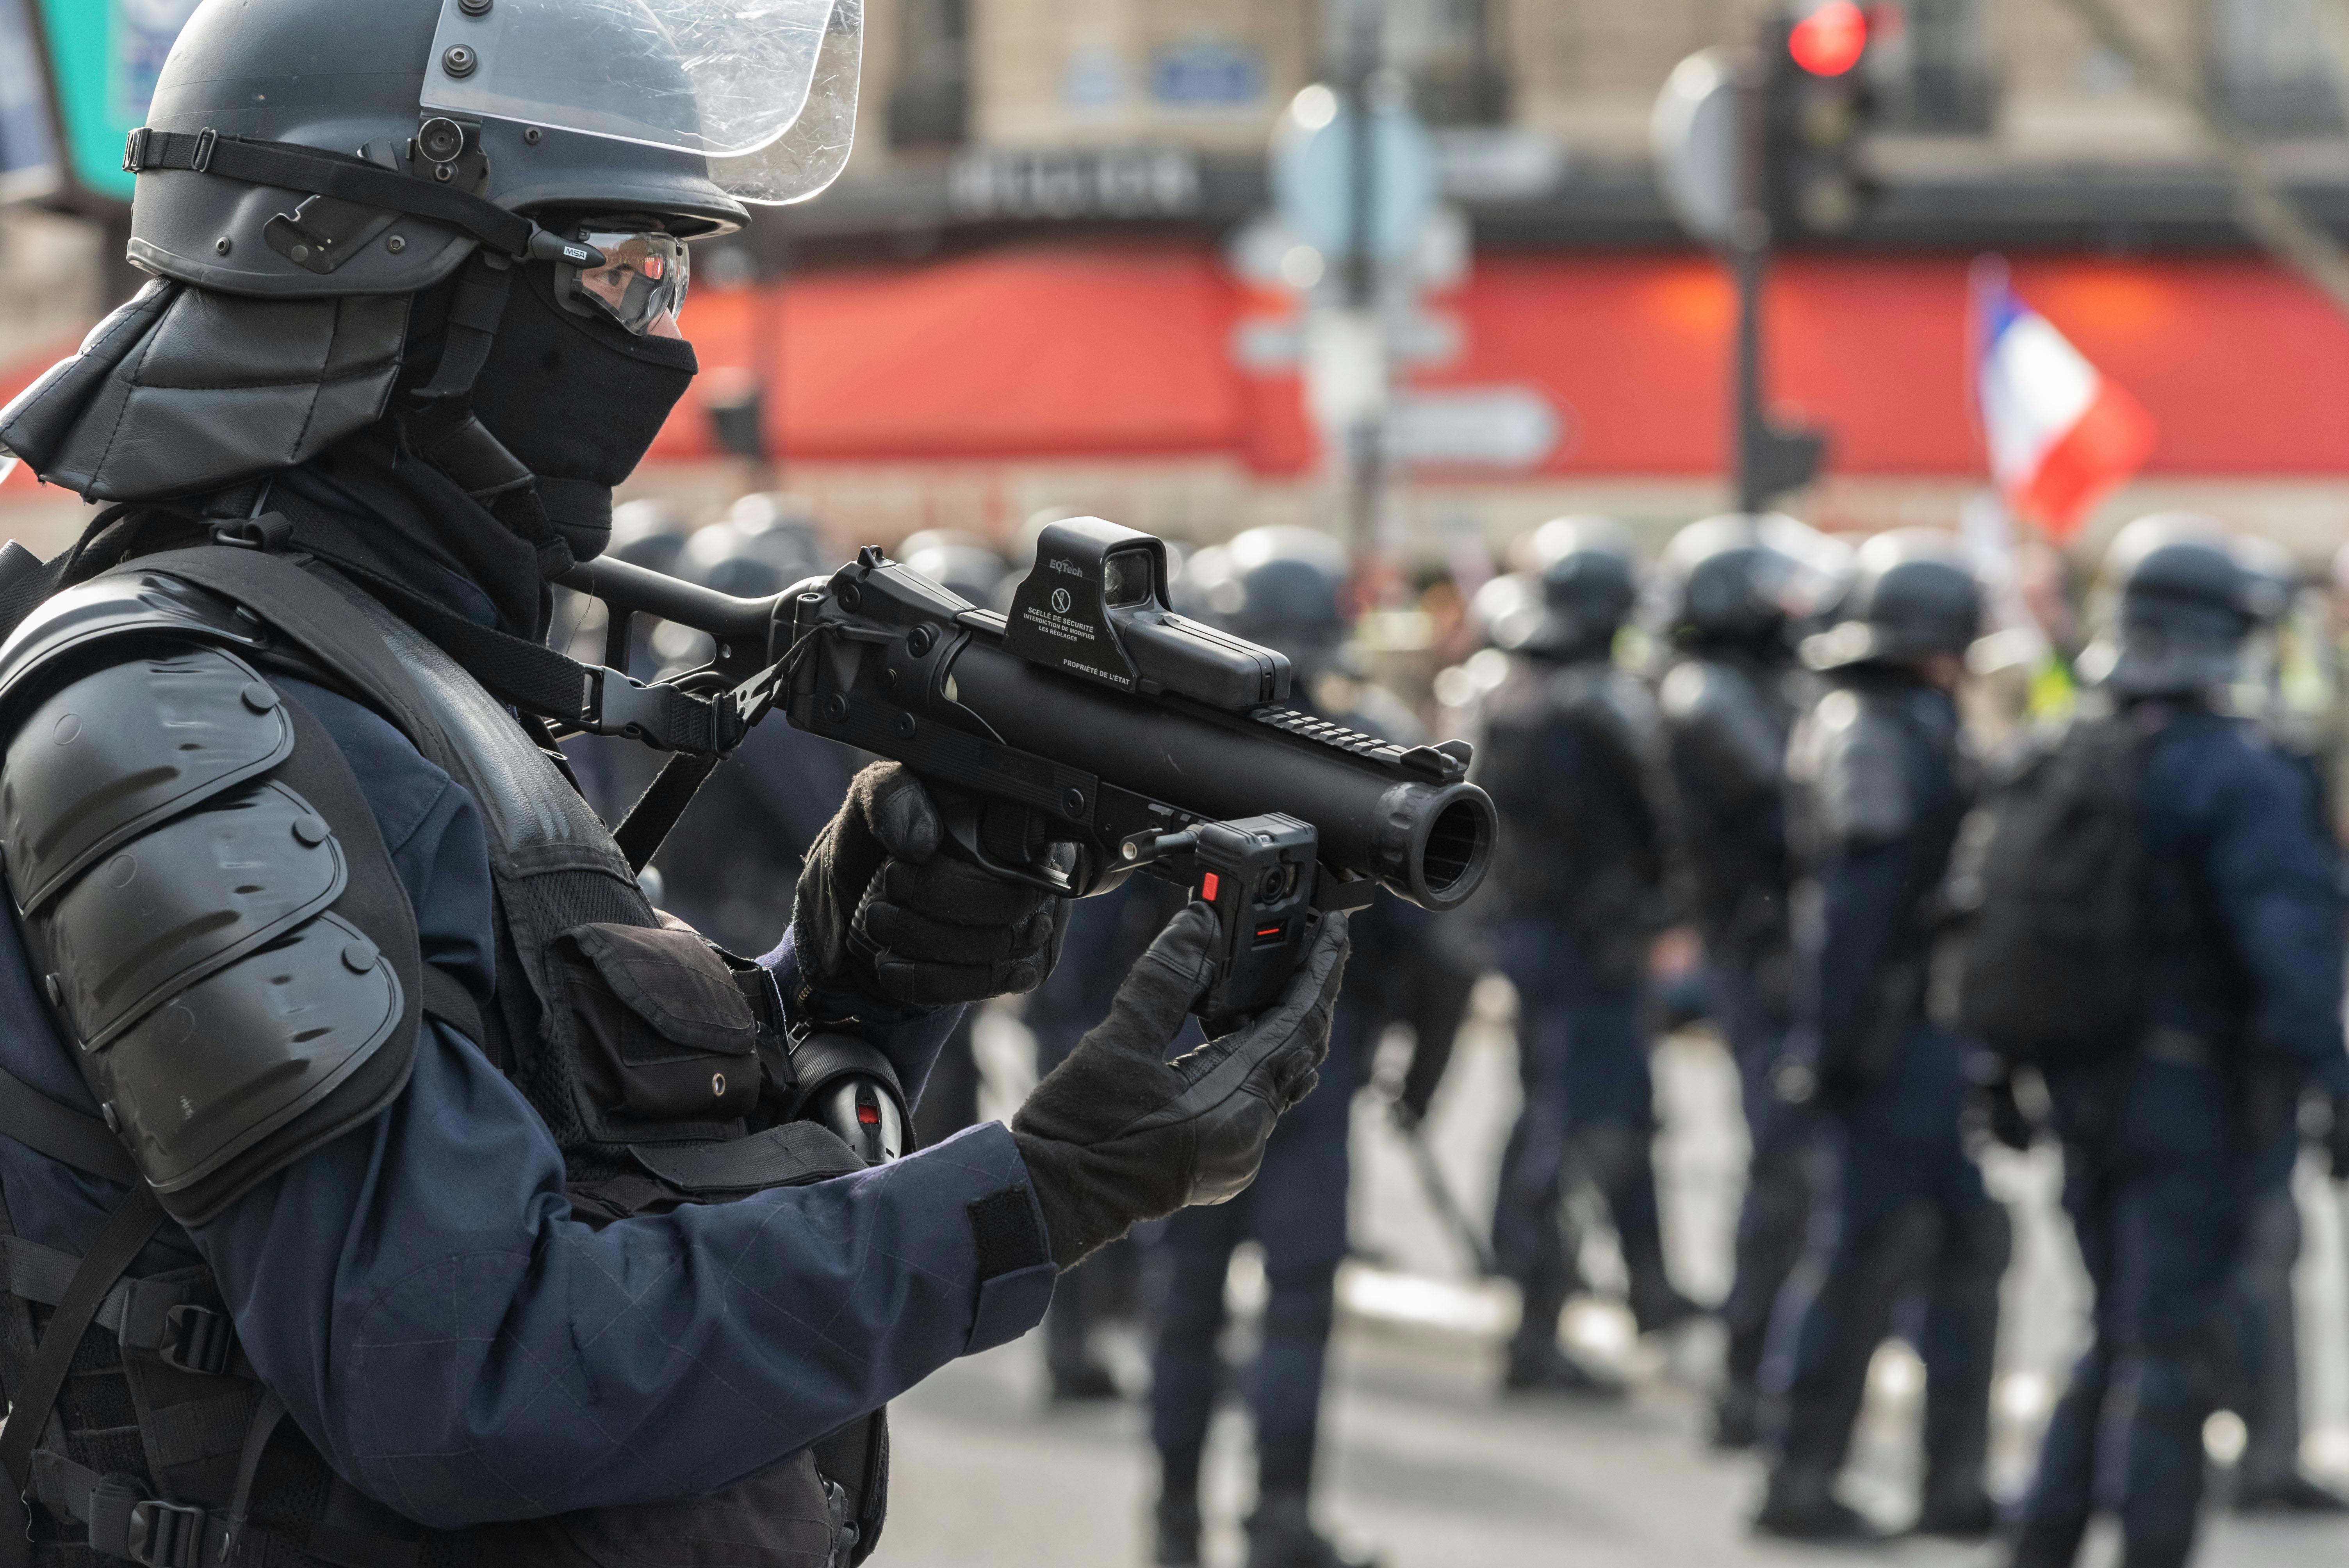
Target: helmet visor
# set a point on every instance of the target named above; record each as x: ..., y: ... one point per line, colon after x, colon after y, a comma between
x: 641, y: 285
x: 728, y: 79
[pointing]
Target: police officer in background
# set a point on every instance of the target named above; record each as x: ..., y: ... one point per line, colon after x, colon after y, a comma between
x: 466, y: 1202
x: 1280, y: 587
x: 1567, y: 747
x: 1879, y: 785
x: 2172, y: 1138
x: 1733, y: 591
x: 2290, y: 689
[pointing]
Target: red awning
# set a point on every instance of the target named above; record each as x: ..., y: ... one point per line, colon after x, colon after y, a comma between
x: 1124, y: 350
x: 1114, y: 351
x: 1103, y: 351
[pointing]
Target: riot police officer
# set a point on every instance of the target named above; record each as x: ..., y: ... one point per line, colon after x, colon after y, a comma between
x: 407, y: 1189
x: 1568, y: 744
x: 1733, y: 592
x: 1879, y: 784
x: 2172, y: 1134
x: 2292, y: 695
x: 1280, y: 587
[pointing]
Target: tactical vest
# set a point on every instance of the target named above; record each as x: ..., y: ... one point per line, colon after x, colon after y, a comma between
x: 662, y: 1067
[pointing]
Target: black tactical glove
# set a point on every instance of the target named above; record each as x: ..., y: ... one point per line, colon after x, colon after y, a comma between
x: 1118, y: 1134
x: 881, y: 913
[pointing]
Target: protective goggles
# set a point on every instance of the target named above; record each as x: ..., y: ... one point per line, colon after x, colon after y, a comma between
x: 641, y: 285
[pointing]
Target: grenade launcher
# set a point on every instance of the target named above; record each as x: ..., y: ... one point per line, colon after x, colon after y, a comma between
x: 1089, y: 734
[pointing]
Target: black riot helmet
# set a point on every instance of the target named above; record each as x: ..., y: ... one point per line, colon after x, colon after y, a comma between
x: 2180, y: 601
x: 1282, y: 586
x: 964, y: 563
x: 767, y: 543
x: 1911, y: 596
x: 1582, y: 585
x: 429, y: 207
x: 1744, y: 581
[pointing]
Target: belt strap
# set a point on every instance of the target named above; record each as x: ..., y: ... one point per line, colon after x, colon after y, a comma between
x: 161, y: 1316
x: 126, y: 1521
x: 62, y: 1133
x: 125, y: 1231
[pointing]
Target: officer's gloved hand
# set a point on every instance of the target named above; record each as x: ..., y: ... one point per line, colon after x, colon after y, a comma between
x: 1118, y: 1134
x: 883, y: 911
x: 2336, y: 1138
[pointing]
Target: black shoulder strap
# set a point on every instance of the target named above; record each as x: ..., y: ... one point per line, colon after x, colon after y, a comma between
x: 530, y: 676
x: 62, y: 1133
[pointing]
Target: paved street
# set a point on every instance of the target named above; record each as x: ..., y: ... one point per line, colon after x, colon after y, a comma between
x: 1424, y: 1462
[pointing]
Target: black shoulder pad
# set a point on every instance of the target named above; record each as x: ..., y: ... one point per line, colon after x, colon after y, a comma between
x: 223, y: 936
x: 1724, y: 727
x: 120, y: 604
x: 1851, y: 759
x: 119, y: 751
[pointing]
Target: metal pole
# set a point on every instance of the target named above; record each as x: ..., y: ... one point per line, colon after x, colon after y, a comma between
x: 1366, y: 465
x: 1749, y: 262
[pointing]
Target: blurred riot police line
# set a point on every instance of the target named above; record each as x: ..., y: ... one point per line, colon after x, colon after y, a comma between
x: 1731, y: 597
x: 2152, y: 930
x: 1567, y: 744
x: 1879, y: 781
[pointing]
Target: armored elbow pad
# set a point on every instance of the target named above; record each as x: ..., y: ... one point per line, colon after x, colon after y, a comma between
x: 208, y: 899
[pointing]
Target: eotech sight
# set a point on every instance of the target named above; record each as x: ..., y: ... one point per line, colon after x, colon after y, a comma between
x: 1092, y: 733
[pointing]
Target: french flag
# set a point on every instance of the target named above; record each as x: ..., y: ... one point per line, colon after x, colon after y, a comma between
x: 2061, y: 437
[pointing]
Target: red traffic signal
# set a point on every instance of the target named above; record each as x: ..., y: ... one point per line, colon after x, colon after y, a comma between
x: 1830, y: 40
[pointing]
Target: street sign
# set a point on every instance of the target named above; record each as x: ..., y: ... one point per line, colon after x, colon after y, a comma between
x: 1313, y: 175
x: 1694, y: 134
x: 104, y: 58
x: 1513, y: 428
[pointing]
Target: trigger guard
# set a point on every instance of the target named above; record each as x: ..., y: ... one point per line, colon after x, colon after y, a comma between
x: 962, y: 826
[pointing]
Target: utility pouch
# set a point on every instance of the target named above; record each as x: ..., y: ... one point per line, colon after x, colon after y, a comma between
x: 663, y: 1031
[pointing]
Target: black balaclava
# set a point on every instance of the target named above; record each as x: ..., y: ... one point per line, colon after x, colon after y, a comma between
x: 578, y: 399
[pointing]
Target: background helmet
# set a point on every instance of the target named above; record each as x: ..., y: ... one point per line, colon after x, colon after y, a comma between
x: 1740, y: 579
x: 648, y: 533
x: 1579, y: 588
x: 1280, y: 587
x: 1911, y: 596
x: 964, y: 563
x: 2182, y: 601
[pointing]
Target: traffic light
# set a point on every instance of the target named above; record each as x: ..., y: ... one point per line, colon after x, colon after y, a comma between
x: 1816, y: 105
